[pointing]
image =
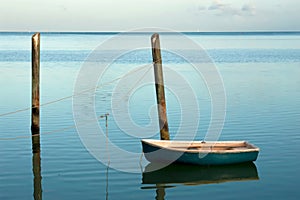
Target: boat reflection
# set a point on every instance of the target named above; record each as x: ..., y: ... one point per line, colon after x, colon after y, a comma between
x: 195, y: 174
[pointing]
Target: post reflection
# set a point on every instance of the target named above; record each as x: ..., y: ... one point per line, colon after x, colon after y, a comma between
x: 36, y: 167
x: 160, y: 192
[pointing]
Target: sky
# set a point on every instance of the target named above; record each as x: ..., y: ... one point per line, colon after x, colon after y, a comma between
x: 125, y: 15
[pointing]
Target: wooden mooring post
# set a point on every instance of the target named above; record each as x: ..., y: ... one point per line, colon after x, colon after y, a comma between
x: 159, y: 86
x: 35, y: 117
x: 35, y: 91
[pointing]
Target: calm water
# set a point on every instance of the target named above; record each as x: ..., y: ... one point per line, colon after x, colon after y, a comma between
x: 261, y: 79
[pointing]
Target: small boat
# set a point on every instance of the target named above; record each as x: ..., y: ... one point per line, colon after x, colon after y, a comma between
x: 199, y: 152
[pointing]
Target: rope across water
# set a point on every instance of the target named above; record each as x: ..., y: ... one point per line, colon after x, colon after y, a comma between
x: 149, y: 66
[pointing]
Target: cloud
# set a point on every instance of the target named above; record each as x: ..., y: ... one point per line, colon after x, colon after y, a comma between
x: 249, y: 8
x: 201, y: 8
x: 218, y: 5
x: 226, y: 9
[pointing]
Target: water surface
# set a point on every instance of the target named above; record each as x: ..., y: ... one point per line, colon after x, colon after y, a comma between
x: 261, y: 79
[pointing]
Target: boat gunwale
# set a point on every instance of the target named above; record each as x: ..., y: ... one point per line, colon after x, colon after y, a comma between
x: 208, y: 146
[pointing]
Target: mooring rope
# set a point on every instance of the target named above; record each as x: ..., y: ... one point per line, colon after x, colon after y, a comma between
x: 79, y: 93
x: 54, y: 131
x: 76, y: 94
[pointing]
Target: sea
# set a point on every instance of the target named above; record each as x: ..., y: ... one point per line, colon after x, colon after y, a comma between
x: 97, y: 101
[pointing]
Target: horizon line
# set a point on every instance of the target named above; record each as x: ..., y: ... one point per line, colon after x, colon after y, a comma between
x: 161, y: 32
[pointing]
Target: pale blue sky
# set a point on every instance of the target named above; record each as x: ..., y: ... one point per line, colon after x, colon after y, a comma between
x: 123, y: 15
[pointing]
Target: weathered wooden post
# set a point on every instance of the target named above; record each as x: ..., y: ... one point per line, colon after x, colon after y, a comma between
x: 35, y: 117
x: 159, y: 85
x: 35, y: 59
